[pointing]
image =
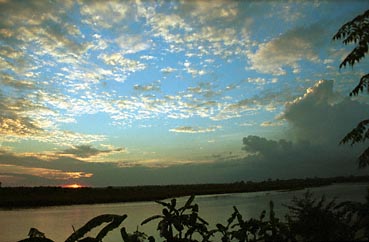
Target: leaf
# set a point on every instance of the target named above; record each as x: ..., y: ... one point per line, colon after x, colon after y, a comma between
x: 163, y: 204
x: 357, y: 134
x: 262, y: 215
x: 173, y: 204
x: 151, y: 218
x: 202, y: 220
x: 221, y: 227
x: 95, y: 222
x: 117, y: 220
x: 125, y: 235
x: 364, y: 159
x: 189, y: 201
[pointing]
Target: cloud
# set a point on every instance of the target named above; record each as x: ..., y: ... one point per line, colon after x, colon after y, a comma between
x: 146, y: 88
x: 220, y: 10
x: 19, y: 85
x: 33, y: 169
x: 321, y: 115
x: 103, y: 14
x: 51, y: 174
x: 271, y: 124
x: 195, y: 130
x: 14, y: 120
x: 287, y: 50
x: 282, y: 158
x: 130, y: 44
x: 168, y: 70
x: 267, y: 100
x: 86, y: 151
x: 317, y: 121
x: 117, y: 59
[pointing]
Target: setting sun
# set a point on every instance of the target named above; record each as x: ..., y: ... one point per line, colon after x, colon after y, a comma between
x: 75, y: 185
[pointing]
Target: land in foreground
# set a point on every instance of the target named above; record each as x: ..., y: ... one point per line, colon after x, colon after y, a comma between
x: 27, y: 197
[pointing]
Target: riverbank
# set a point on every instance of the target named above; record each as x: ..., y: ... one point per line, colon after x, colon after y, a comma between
x: 30, y: 197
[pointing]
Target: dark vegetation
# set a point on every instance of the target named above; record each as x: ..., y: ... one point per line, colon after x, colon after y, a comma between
x: 309, y: 219
x: 356, y: 32
x: 23, y: 197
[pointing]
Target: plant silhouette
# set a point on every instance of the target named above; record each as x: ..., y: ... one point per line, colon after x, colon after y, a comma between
x: 308, y: 219
x: 179, y: 224
x: 113, y: 222
x: 356, y: 31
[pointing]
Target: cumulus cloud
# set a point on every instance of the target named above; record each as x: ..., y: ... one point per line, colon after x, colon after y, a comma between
x: 318, y: 120
x: 288, y: 50
x: 321, y: 115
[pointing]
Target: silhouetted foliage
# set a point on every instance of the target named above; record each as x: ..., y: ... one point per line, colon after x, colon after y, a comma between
x: 36, y: 236
x: 309, y: 219
x: 317, y: 220
x: 179, y: 224
x: 254, y: 229
x: 113, y: 222
x: 136, y: 236
x: 359, y: 134
x: 356, y: 31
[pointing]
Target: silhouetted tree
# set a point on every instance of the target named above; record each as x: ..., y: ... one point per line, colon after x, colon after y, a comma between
x: 356, y: 31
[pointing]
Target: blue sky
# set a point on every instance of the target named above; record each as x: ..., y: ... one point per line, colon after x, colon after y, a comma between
x: 159, y: 92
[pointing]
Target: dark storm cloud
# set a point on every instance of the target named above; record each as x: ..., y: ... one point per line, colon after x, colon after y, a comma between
x: 321, y: 116
x: 287, y: 159
x: 317, y: 120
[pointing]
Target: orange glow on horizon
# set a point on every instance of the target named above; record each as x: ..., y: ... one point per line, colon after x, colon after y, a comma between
x: 75, y: 186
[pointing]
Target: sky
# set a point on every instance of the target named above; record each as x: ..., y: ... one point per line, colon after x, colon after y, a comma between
x: 122, y: 93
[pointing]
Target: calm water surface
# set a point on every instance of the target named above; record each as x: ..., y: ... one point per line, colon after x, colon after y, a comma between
x: 57, y: 222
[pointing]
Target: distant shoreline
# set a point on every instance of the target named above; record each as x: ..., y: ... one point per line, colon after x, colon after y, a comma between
x: 33, y: 197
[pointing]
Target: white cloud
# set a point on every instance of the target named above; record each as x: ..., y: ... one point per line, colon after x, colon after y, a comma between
x: 168, y: 70
x: 271, y: 123
x: 117, y: 59
x: 194, y: 130
x: 145, y: 88
x: 103, y: 14
x: 287, y: 50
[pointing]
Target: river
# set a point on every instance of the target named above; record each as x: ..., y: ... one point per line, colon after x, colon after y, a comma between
x: 57, y: 222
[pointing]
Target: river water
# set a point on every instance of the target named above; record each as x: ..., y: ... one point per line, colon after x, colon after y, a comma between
x: 57, y: 222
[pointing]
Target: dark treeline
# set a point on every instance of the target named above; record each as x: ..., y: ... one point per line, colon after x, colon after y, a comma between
x: 23, y: 197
